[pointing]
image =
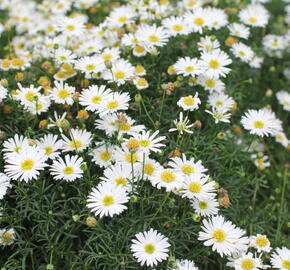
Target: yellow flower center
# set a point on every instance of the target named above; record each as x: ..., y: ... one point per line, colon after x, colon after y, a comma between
x: 121, y: 181
x: 187, y: 169
x: 30, y: 95
x: 68, y: 170
x: 17, y: 62
x: 105, y: 156
x: 107, y: 57
x: 275, y: 44
x: 76, y: 144
x: 124, y: 126
x: 191, y: 3
x: 241, y: 53
x: 16, y: 149
x: 5, y: 63
x: 198, y: 21
x: 48, y: 150
x: 219, y: 235
x: 142, y: 82
x: 7, y: 237
x: 139, y: 69
x: 259, y: 124
x: 195, y: 187
x: 90, y: 67
x: 139, y: 49
x: 149, y: 248
x: 122, y: 19
x: 202, y: 205
x: 189, y: 101
x: 214, y: 64
x: 113, y: 104
x: 133, y: 144
x: 261, y: 241
x: 286, y: 264
x: 70, y: 27
x: 27, y: 164
x: 96, y: 99
x: 248, y: 264
x: 119, y: 75
x: 252, y: 20
x: 108, y: 200
x: 177, y: 27
x: 153, y: 38
x: 62, y: 94
x: 149, y: 169
x: 168, y: 176
x: 189, y: 69
x: 144, y: 143
x: 210, y: 83
x: 39, y: 106
x: 131, y: 158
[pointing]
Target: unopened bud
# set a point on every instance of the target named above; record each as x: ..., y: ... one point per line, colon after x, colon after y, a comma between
x: 91, y: 222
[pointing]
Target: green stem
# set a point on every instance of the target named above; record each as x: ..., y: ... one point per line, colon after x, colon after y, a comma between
x: 149, y: 117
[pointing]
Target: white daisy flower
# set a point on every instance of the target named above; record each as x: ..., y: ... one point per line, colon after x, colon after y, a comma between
x: 68, y: 169
x: 38, y: 105
x: 15, y: 144
x: 110, y: 54
x: 247, y: 261
x: 119, y: 175
x: 51, y: 145
x: 91, y: 97
x: 120, y: 16
x: 170, y: 179
x: 280, y: 258
x: 27, y: 95
x: 197, y: 187
x: 284, y: 99
x: 79, y: 140
x: 4, y: 185
x: 62, y: 55
x: 176, y: 26
x: 211, y: 84
x: 102, y: 155
x: 189, y: 103
x: 120, y: 72
x: 280, y: 137
x: 114, y: 102
x: 150, y: 36
x: 90, y: 65
x: 239, y: 30
x: 224, y: 237
x: 254, y: 15
x: 261, y: 122
x: 184, y: 265
x: 25, y: 164
x: 149, y: 167
x: 217, y: 18
x: 198, y: 19
x: 62, y: 93
x: 150, y: 247
x: 187, y: 66
x: 107, y: 199
x: 71, y: 26
x: 123, y: 156
x: 205, y: 207
x: 7, y: 237
x: 182, y: 125
x: 261, y: 243
x: 187, y: 166
x: 221, y: 101
x: 220, y: 115
x: 242, y: 51
x: 208, y: 44
x: 140, y: 83
x: 214, y: 63
x: 147, y: 142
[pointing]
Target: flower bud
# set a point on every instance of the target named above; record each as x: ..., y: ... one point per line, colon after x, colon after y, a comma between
x: 91, y: 222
